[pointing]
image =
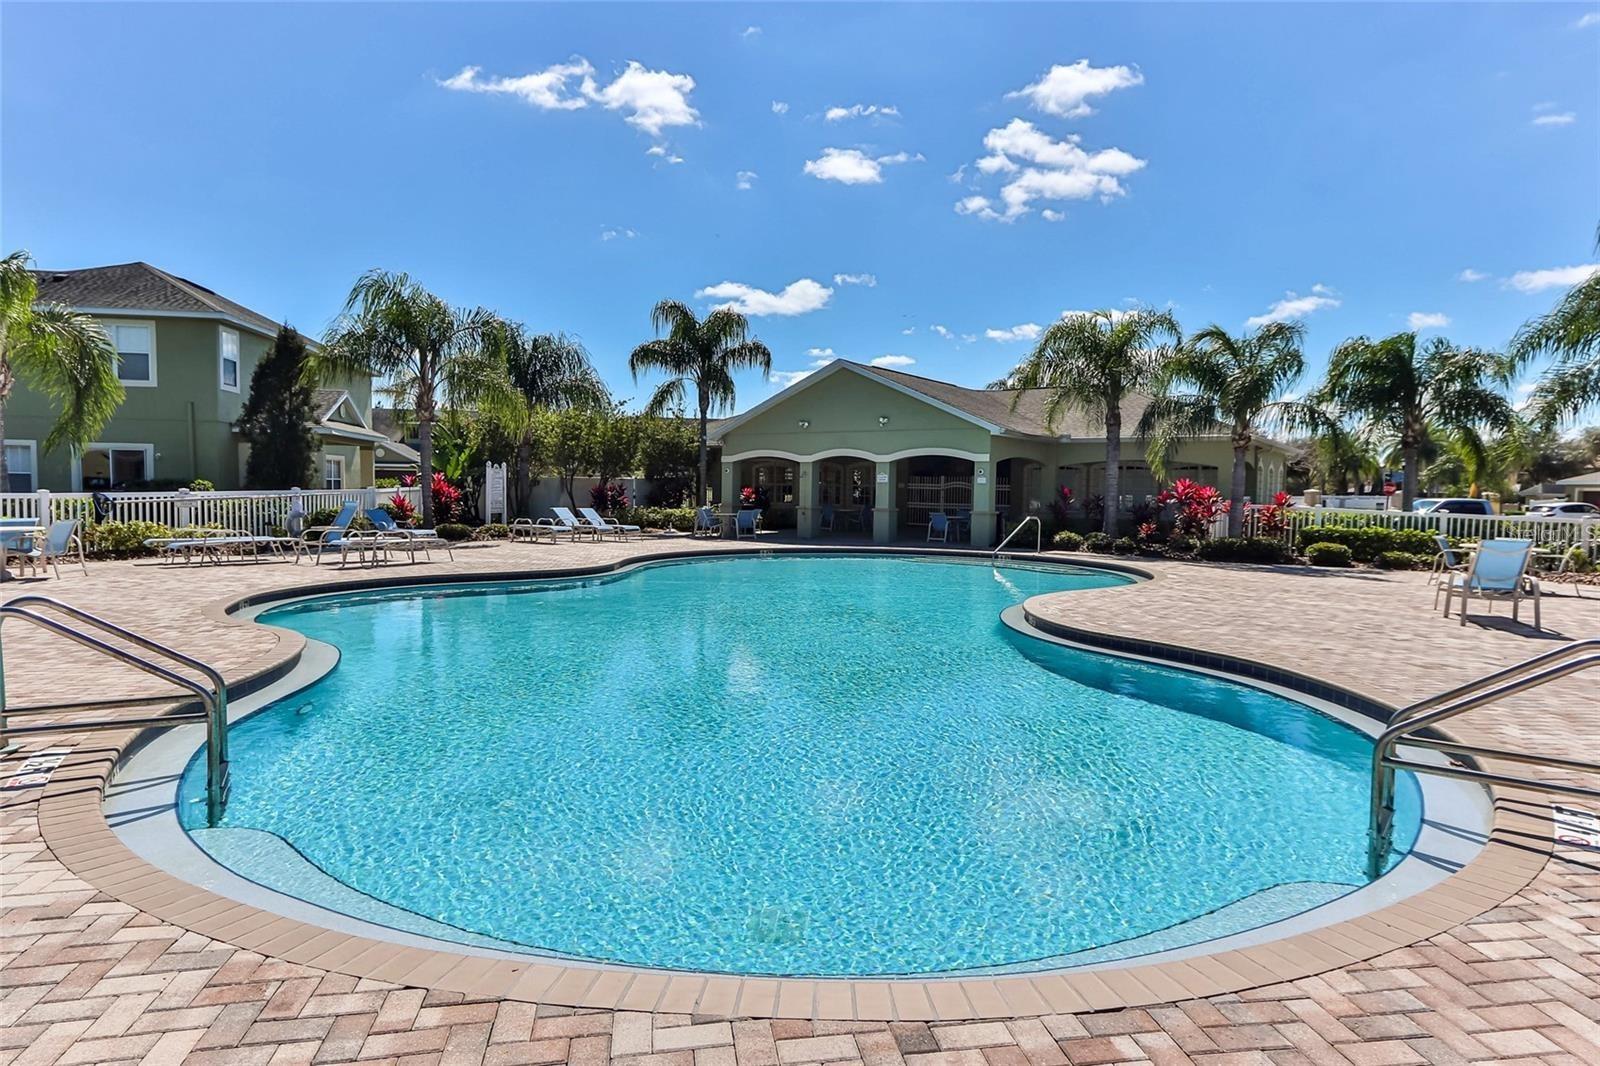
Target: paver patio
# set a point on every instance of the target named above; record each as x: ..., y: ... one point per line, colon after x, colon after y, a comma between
x: 85, y: 977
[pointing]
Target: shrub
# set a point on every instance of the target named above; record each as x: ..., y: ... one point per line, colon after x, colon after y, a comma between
x: 1400, y: 561
x: 1125, y: 546
x: 678, y: 518
x: 1243, y: 550
x: 1179, y: 544
x: 455, y: 531
x: 608, y: 498
x: 1366, y: 543
x: 1067, y: 541
x: 1326, y: 553
x: 448, y: 503
x: 387, y: 483
x: 491, y: 531
x: 1197, y: 505
x: 1578, y: 561
x: 200, y: 484
x: 401, y: 510
x: 121, y: 540
x: 1098, y: 542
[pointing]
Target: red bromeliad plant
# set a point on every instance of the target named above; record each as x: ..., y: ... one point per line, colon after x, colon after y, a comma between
x: 447, y: 501
x: 404, y: 513
x: 608, y: 498
x: 1272, y: 519
x: 1198, y: 506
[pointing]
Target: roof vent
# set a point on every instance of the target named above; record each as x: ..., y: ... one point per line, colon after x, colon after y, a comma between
x: 58, y: 276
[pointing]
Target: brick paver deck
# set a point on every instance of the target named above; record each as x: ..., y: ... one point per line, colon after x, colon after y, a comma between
x: 86, y: 977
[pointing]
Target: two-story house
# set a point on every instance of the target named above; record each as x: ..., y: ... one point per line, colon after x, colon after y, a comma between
x: 185, y: 356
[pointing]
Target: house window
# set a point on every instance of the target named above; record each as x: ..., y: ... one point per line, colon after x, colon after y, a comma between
x: 228, y: 354
x: 136, y: 352
x: 115, y: 466
x: 22, y: 473
x: 333, y: 472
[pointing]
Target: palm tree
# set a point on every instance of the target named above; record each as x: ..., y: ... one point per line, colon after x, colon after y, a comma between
x: 57, y: 352
x: 1571, y: 333
x: 1411, y: 393
x: 699, y: 353
x: 1091, y: 362
x: 544, y: 372
x: 1214, y: 380
x: 423, y: 349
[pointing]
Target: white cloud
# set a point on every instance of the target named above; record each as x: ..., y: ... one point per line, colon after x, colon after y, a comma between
x: 851, y: 166
x: 964, y: 338
x: 868, y: 280
x: 893, y: 360
x: 664, y: 153
x: 1469, y: 275
x: 796, y: 298
x: 744, y: 179
x: 650, y: 99
x: 1026, y: 331
x: 1419, y: 320
x: 611, y: 233
x: 785, y: 378
x: 1117, y: 314
x: 779, y: 107
x: 750, y: 31
x: 1293, y: 306
x: 1553, y: 278
x: 1558, y: 118
x: 1592, y: 18
x: 1039, y: 167
x: 1051, y: 215
x: 1066, y: 90
x: 839, y: 114
x: 821, y: 356
x: 908, y: 331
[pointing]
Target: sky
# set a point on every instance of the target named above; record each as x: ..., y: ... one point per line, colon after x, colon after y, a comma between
x: 926, y: 186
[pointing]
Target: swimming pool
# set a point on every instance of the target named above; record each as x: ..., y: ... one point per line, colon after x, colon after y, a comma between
x: 788, y: 765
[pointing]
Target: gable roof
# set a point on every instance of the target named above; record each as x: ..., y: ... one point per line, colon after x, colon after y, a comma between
x: 142, y: 287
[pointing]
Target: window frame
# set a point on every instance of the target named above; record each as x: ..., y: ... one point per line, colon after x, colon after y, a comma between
x: 110, y: 325
x: 114, y: 446
x: 223, y: 332
x: 33, y: 461
x: 339, y: 461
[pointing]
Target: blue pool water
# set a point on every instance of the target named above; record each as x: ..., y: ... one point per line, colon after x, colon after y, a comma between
x: 812, y: 765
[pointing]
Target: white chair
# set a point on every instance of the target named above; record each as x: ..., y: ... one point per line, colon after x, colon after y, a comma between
x: 59, y: 541
x: 620, y: 530
x: 1498, y: 571
x: 571, y: 523
x: 705, y: 522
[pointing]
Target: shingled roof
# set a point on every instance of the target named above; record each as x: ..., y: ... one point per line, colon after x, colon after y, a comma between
x: 995, y: 406
x: 142, y: 287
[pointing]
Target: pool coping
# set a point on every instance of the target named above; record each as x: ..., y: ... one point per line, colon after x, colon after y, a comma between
x: 73, y: 823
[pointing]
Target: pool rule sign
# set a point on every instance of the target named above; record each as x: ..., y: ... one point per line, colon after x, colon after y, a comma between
x: 494, y: 492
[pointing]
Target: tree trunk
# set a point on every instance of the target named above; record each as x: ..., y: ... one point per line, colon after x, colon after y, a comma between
x: 1408, y: 466
x: 5, y: 394
x: 705, y: 454
x: 1108, y: 523
x: 1236, y: 492
x: 425, y: 449
x: 522, y: 479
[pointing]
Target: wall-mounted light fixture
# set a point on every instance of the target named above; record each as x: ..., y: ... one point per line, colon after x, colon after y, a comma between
x: 805, y: 424
x: 883, y: 420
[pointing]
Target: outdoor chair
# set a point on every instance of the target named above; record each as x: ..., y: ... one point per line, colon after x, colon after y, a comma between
x: 1498, y: 571
x: 1447, y: 561
x: 59, y: 541
x: 529, y: 530
x: 705, y: 522
x: 571, y: 523
x: 825, y: 524
x: 939, y: 526
x: 620, y: 530
x: 409, y: 539
x: 746, y: 523
x: 318, y: 539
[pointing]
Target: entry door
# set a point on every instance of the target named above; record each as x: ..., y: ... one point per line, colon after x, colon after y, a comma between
x: 1030, y: 487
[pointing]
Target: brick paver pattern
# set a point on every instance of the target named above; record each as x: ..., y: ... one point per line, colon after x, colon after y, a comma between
x: 85, y: 978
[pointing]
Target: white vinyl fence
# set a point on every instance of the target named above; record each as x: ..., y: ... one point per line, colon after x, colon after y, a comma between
x: 253, y: 512
x: 1554, y: 533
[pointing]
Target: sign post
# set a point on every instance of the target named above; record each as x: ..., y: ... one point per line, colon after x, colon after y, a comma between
x: 494, y: 492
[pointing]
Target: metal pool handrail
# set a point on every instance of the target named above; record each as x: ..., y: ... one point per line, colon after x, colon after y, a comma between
x: 213, y: 695
x: 1038, y: 542
x: 1569, y: 659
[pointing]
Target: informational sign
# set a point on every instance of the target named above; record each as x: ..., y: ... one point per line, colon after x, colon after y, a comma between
x: 494, y: 492
x: 883, y: 479
x: 983, y: 479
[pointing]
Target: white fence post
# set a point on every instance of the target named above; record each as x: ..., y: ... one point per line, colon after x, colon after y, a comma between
x: 44, y: 510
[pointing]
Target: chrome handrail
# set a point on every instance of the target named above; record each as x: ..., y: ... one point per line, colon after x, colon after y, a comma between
x: 213, y: 695
x: 1038, y: 542
x: 1491, y: 688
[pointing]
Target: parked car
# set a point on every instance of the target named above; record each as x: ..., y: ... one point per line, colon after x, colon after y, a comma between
x: 1563, y: 510
x: 1453, y: 505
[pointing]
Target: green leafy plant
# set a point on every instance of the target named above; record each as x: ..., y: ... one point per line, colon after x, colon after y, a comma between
x: 1067, y: 541
x: 454, y: 531
x: 1264, y: 550
x: 1328, y: 554
x: 277, y: 415
x: 1125, y: 546
x: 200, y: 484
x: 1400, y: 561
x: 491, y: 531
x: 1178, y: 544
x: 122, y: 540
x: 1098, y: 542
x: 676, y: 518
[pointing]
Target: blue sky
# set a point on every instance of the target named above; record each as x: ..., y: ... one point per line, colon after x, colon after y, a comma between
x: 568, y: 165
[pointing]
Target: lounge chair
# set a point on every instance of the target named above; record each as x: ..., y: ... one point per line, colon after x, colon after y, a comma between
x: 571, y: 523
x: 409, y: 539
x: 59, y: 541
x: 620, y: 530
x: 746, y: 523
x: 705, y: 521
x: 529, y: 530
x: 939, y: 526
x: 1498, y: 571
x: 318, y: 539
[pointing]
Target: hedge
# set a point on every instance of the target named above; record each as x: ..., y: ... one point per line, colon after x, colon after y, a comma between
x: 1402, y: 561
x: 453, y: 531
x: 1243, y: 550
x: 121, y: 540
x: 1098, y: 542
x: 1327, y: 553
x: 678, y: 518
x: 1366, y: 543
x: 1067, y: 541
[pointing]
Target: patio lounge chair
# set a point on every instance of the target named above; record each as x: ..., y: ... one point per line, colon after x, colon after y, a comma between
x: 529, y: 530
x: 746, y: 523
x: 318, y: 539
x: 59, y: 541
x: 1498, y: 571
x: 409, y: 539
x: 620, y: 530
x: 705, y: 522
x: 571, y: 523
x: 939, y: 526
